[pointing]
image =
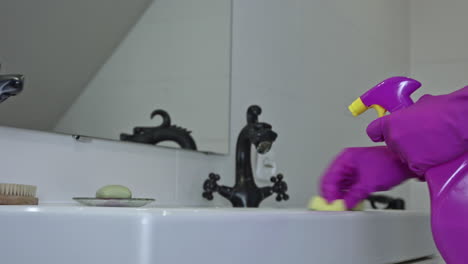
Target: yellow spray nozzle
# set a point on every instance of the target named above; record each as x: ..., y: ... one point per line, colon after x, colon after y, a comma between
x: 357, y: 107
x: 380, y: 110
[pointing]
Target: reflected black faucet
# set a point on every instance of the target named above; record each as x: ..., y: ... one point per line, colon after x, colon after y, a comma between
x: 245, y: 192
x: 10, y: 85
x: 164, y: 132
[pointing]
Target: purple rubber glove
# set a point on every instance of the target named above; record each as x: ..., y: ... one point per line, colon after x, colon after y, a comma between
x: 358, y: 172
x: 430, y: 132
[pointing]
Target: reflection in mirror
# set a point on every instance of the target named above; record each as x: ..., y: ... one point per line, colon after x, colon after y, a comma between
x: 152, y: 72
x: 164, y: 132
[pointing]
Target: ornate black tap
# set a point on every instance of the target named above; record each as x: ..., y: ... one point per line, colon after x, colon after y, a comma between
x: 245, y: 192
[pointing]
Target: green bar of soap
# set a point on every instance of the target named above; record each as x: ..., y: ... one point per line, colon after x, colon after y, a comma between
x: 114, y: 192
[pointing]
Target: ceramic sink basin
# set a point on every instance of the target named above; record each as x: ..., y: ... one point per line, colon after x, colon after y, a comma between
x: 86, y: 235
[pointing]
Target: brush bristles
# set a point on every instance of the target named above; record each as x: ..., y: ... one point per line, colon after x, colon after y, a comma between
x: 17, y: 189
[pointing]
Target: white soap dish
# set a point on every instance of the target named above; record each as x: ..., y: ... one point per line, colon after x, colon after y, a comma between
x: 132, y: 202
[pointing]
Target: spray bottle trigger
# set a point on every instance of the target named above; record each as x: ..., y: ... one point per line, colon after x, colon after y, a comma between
x: 380, y: 110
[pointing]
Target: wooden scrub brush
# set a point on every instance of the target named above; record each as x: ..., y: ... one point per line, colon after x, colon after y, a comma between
x: 18, y: 194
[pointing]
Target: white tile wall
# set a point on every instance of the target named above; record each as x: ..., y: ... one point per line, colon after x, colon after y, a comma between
x: 438, y: 30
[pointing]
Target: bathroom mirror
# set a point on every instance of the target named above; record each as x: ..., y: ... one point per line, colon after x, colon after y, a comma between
x: 136, y: 71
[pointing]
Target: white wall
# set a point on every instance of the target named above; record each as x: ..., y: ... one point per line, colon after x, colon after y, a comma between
x: 176, y: 58
x: 439, y: 57
x: 302, y: 61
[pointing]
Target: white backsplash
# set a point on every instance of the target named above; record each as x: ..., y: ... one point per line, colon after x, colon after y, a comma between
x: 63, y: 168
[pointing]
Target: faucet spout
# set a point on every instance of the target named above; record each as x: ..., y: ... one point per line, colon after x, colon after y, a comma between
x: 264, y: 146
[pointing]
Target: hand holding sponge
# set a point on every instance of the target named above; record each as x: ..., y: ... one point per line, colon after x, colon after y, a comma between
x: 355, y: 174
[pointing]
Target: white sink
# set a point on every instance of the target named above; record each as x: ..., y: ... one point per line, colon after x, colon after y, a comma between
x: 85, y: 235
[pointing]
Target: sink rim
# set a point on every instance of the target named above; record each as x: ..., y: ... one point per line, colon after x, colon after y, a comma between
x: 170, y: 210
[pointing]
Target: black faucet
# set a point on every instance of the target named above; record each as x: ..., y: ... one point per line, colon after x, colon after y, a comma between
x: 245, y: 192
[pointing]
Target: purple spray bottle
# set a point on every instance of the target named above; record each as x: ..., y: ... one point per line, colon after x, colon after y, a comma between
x: 448, y: 183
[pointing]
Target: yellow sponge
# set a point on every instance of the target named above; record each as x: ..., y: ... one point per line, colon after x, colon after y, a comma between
x: 320, y: 204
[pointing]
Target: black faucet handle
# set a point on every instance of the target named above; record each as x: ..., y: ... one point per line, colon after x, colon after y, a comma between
x: 280, y: 187
x: 211, y: 185
x: 390, y: 202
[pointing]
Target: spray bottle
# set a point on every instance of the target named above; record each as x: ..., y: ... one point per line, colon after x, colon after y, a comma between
x: 448, y: 183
